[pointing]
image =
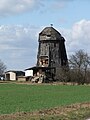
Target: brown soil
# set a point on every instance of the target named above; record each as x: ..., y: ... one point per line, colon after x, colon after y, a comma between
x: 53, y: 111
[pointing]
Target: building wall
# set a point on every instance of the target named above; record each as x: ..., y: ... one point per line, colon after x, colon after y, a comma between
x: 55, y: 51
x: 29, y: 73
x: 21, y: 79
x: 10, y: 76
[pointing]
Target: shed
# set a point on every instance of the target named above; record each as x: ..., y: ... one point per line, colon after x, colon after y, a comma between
x: 13, y: 75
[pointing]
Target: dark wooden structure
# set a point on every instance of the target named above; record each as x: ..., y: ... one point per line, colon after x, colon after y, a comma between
x: 50, y: 58
x: 51, y: 50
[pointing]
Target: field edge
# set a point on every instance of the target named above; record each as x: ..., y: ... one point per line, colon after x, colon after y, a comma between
x: 79, y: 111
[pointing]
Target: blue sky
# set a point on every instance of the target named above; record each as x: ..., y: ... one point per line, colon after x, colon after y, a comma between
x: 22, y: 20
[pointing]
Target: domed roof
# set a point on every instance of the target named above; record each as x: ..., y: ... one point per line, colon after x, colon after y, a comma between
x: 49, y: 33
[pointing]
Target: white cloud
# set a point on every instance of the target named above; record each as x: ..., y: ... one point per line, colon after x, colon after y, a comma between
x: 78, y: 37
x: 18, y: 45
x: 9, y: 7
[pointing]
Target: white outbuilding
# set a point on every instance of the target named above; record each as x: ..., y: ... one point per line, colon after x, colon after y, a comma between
x: 13, y: 75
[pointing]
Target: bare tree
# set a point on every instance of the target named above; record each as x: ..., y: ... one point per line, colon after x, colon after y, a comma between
x: 79, y: 63
x: 2, y: 67
x: 63, y: 74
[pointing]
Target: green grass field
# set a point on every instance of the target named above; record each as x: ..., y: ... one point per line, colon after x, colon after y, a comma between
x: 20, y: 97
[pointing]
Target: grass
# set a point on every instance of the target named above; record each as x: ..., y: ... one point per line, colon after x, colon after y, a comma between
x: 27, y: 98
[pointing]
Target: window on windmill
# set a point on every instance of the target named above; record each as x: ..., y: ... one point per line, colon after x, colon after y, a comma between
x: 46, y: 62
x: 43, y: 62
x: 48, y: 37
x: 54, y: 44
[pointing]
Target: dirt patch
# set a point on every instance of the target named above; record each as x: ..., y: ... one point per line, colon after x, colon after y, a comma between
x: 53, y: 111
x: 51, y: 83
x: 30, y: 83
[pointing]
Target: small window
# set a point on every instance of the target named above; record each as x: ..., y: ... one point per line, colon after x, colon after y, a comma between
x: 48, y: 35
x: 54, y: 44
